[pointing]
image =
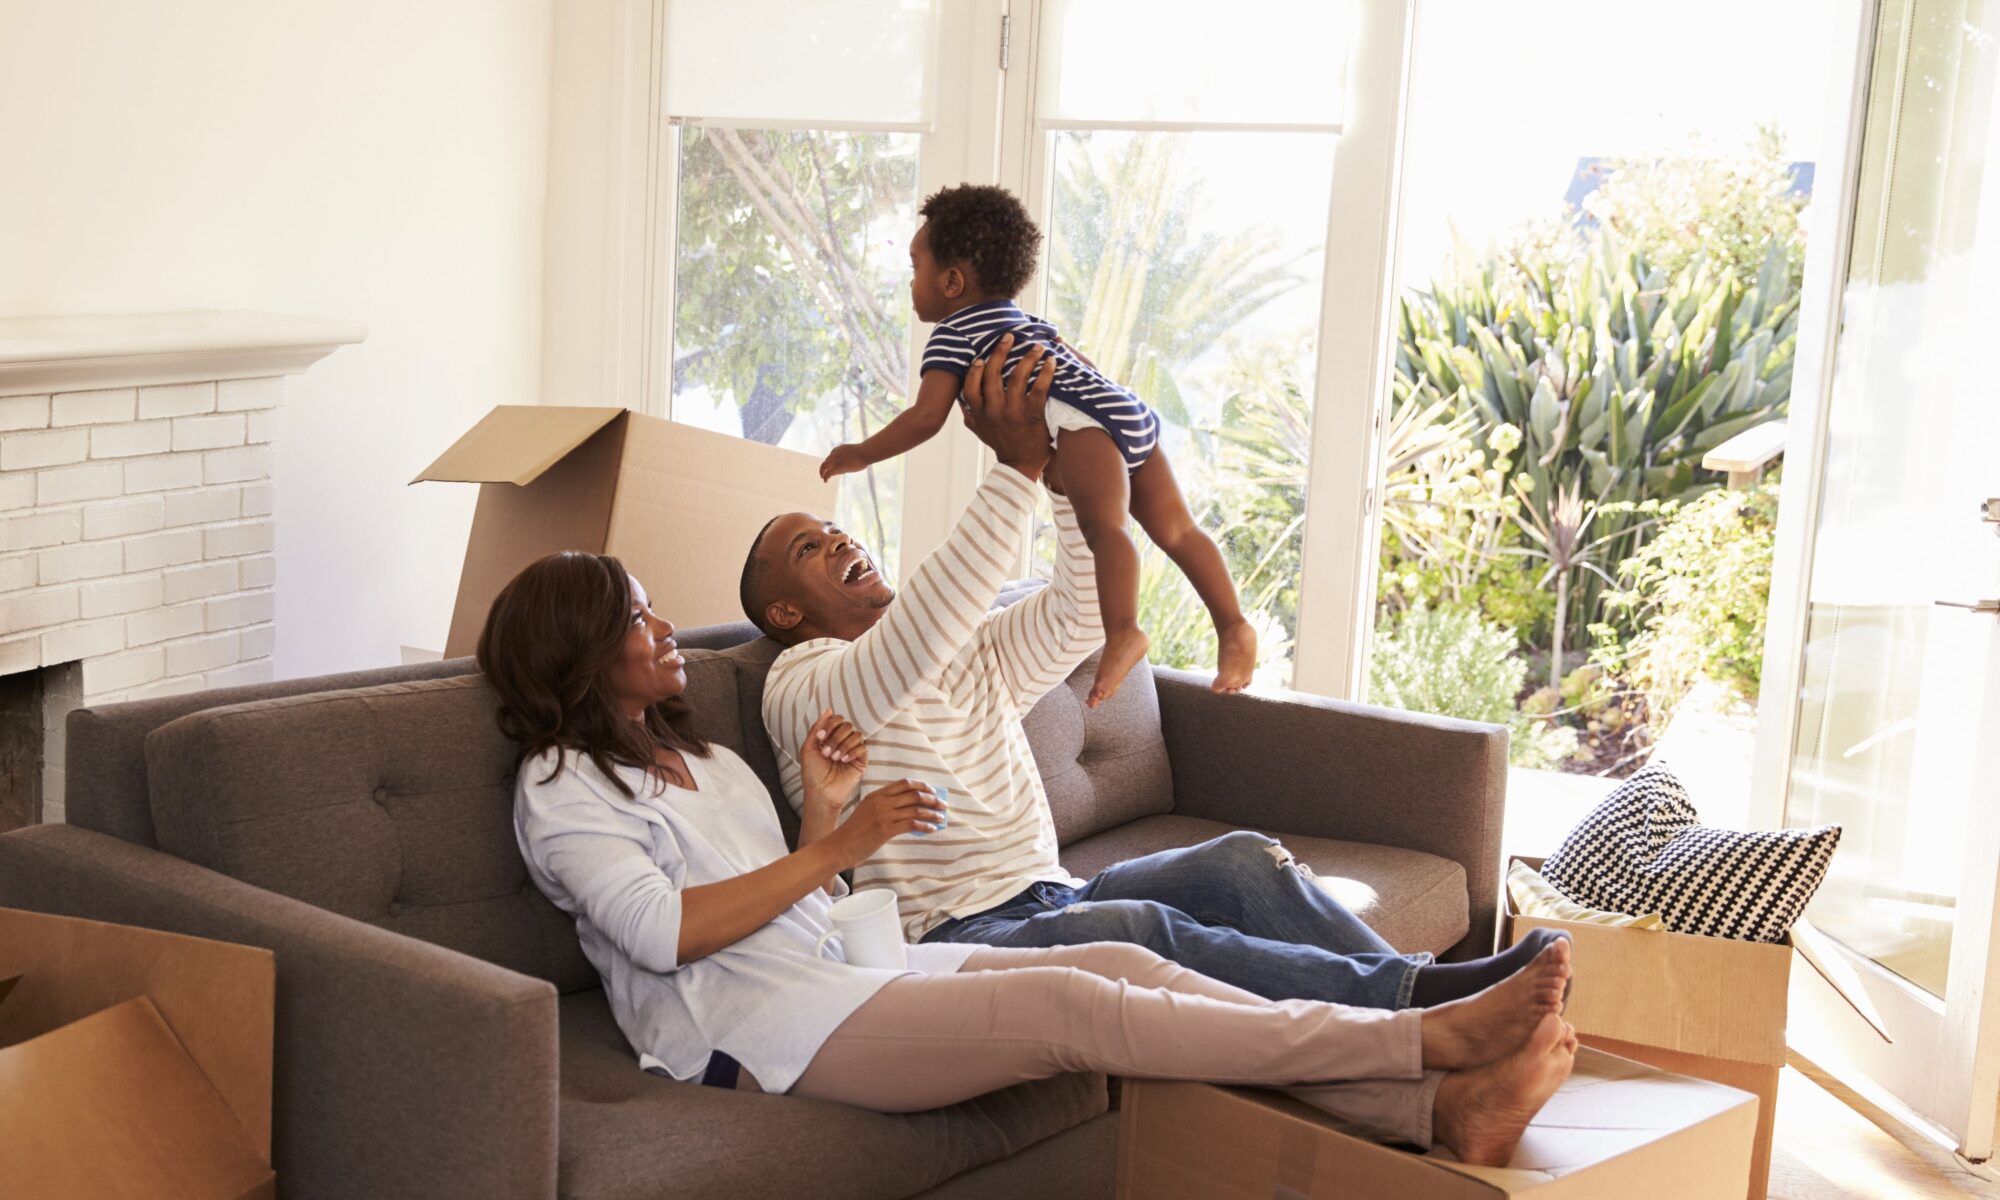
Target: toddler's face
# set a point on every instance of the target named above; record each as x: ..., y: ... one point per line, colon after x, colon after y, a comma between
x: 934, y: 290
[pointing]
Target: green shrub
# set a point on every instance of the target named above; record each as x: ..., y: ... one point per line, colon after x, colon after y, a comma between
x: 1617, y: 357
x: 1692, y: 204
x: 1448, y: 534
x: 1617, y: 380
x: 1450, y: 662
x: 1697, y: 595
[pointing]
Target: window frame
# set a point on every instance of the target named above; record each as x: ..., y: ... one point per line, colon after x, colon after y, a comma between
x: 609, y: 310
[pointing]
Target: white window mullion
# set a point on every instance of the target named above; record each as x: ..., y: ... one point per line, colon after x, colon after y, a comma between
x: 940, y: 476
x: 1337, y: 585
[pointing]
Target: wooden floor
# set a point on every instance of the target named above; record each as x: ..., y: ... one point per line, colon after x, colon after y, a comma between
x: 1833, y: 1145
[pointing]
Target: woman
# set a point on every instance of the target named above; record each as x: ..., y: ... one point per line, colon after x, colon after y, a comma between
x: 667, y: 851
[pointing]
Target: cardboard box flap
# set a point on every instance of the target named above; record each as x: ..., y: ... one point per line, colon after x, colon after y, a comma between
x: 111, y: 1106
x: 1616, y: 1128
x: 516, y: 443
x: 690, y: 501
x: 215, y: 997
x: 1610, y: 1107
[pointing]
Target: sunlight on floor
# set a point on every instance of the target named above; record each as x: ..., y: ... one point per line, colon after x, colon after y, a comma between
x: 1828, y: 1150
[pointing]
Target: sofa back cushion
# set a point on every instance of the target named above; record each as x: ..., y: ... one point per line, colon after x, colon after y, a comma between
x: 389, y: 804
x: 104, y: 785
x: 1101, y: 767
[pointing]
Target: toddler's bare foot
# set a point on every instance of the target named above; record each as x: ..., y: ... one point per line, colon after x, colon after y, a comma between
x: 1236, y: 656
x: 1122, y: 652
x: 1480, y: 1028
x: 1481, y: 1114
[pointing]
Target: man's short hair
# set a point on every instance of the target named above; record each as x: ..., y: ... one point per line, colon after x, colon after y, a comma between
x: 754, y: 592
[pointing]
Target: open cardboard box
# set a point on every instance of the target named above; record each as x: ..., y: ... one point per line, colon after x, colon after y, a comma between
x: 678, y: 505
x: 1616, y: 1129
x: 1710, y: 1007
x: 133, y: 1063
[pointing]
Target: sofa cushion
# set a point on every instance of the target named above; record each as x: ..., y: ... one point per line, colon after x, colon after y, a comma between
x: 390, y: 804
x: 752, y: 661
x: 1415, y: 901
x: 630, y: 1134
x: 1105, y: 766
x: 105, y: 756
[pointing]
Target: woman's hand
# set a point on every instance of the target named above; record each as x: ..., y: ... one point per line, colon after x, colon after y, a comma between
x: 903, y: 807
x: 831, y: 762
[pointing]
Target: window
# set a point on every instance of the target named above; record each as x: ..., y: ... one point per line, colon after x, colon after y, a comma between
x: 794, y: 138
x: 1186, y: 188
x: 1186, y: 213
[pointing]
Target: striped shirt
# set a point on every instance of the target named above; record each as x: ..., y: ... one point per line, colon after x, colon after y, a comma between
x: 971, y: 332
x: 938, y: 687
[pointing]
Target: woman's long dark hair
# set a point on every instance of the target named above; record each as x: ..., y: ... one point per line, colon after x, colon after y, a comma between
x: 551, y: 638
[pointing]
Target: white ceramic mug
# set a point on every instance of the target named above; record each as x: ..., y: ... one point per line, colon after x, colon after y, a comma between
x: 869, y: 928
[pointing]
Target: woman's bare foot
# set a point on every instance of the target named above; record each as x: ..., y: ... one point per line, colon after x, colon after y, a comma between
x: 1122, y: 652
x: 1480, y: 1115
x: 1479, y: 1029
x: 1235, y: 656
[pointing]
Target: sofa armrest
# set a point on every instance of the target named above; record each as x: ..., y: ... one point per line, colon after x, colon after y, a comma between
x: 1328, y: 768
x: 401, y: 1068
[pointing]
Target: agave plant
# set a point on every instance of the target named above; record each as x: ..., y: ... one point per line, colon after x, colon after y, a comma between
x: 1619, y: 379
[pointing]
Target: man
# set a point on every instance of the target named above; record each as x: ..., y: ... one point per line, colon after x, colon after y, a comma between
x: 937, y: 681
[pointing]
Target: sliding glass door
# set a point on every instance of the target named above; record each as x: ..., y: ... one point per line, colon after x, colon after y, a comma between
x: 1896, y: 735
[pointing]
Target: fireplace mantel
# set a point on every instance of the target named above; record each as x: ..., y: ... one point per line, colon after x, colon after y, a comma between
x: 91, y: 353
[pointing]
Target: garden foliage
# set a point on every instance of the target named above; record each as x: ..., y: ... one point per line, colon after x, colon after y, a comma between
x: 1552, y: 403
x: 1448, y: 661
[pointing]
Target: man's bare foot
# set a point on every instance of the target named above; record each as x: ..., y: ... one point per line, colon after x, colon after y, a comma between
x: 1122, y: 652
x: 1479, y: 1029
x: 1480, y: 1115
x: 1235, y: 656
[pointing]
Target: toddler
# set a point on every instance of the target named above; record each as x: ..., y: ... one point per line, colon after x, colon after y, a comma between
x: 974, y: 252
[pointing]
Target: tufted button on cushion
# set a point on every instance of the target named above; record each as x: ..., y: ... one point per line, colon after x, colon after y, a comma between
x: 288, y: 795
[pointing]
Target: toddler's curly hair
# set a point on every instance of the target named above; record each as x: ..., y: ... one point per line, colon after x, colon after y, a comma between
x: 986, y: 230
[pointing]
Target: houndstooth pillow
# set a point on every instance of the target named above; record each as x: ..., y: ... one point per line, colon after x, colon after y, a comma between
x: 1642, y: 851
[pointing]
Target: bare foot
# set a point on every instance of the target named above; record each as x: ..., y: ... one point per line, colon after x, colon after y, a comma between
x: 1122, y: 652
x: 1480, y: 1115
x: 1235, y: 656
x: 1483, y: 1027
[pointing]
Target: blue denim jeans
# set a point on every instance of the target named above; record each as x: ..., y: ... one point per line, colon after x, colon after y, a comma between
x: 1236, y: 909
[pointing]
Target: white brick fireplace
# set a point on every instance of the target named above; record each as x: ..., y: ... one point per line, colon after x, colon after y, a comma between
x: 135, y: 503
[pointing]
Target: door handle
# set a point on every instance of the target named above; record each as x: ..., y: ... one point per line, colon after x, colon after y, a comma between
x: 1981, y: 606
x: 1989, y: 512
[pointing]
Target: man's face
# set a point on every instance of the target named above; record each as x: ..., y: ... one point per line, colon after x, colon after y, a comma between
x: 826, y: 577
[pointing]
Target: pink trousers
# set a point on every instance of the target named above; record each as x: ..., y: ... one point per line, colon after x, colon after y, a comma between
x: 1009, y: 1016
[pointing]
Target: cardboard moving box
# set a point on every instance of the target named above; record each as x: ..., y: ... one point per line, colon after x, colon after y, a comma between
x: 1616, y: 1129
x: 678, y: 505
x: 1714, y: 1008
x: 133, y: 1063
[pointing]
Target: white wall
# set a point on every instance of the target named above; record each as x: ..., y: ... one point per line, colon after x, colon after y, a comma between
x: 380, y: 160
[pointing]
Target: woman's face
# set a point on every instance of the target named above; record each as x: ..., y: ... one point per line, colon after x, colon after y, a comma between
x: 650, y: 667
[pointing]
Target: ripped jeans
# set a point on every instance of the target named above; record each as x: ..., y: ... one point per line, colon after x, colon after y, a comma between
x: 1237, y: 909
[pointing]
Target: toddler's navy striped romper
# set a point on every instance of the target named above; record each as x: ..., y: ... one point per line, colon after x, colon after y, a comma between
x: 971, y: 332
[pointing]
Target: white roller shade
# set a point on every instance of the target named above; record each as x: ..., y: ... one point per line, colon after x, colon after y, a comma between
x: 1248, y: 62
x: 830, y: 62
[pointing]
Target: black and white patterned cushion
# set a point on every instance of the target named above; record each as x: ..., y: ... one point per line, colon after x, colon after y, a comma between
x: 1643, y: 850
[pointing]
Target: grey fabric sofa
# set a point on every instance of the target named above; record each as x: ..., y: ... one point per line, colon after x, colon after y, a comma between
x: 439, y: 1033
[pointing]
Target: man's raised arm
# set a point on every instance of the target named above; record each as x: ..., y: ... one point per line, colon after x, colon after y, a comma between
x: 1037, y: 642
x: 934, y: 616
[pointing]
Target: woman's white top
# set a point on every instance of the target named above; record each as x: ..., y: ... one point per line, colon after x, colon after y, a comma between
x: 620, y: 865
